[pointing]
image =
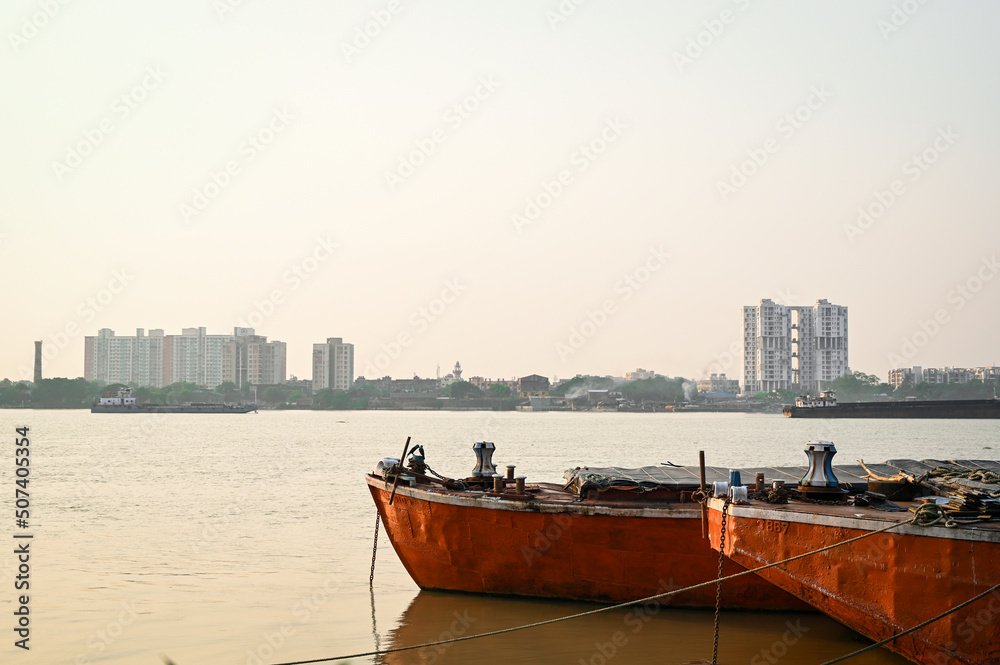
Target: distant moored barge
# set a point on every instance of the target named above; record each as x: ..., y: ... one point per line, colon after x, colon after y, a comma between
x: 826, y: 406
x: 124, y: 402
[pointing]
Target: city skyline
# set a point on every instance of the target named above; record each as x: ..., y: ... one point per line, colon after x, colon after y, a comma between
x: 531, y: 190
x: 719, y: 366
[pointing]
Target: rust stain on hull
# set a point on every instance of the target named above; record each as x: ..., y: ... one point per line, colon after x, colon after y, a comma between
x: 882, y: 585
x: 449, y: 542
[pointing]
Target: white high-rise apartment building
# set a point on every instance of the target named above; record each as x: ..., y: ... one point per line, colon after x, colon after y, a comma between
x: 333, y: 365
x: 262, y: 362
x: 193, y: 357
x: 112, y: 359
x: 197, y: 357
x: 793, y: 347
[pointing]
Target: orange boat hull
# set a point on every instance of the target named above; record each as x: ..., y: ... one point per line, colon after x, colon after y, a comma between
x: 884, y: 584
x: 508, y: 547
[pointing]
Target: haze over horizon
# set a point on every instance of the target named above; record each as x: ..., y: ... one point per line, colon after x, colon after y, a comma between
x: 496, y: 181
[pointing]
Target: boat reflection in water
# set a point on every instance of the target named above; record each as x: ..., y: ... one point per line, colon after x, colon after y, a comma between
x: 635, y: 635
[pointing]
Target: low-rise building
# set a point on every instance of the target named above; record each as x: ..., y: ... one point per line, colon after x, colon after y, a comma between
x: 533, y: 385
x: 485, y: 384
x: 942, y: 375
x: 718, y: 383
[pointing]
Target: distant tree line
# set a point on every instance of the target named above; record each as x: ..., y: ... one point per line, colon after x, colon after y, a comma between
x: 62, y: 393
x: 861, y: 387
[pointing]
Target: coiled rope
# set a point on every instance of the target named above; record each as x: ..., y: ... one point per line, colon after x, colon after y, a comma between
x: 599, y: 610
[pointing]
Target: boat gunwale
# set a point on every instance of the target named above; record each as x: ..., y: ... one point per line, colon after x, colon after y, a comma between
x: 669, y: 510
x: 870, y: 522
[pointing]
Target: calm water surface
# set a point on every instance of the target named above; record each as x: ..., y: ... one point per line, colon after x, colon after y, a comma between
x: 201, y: 537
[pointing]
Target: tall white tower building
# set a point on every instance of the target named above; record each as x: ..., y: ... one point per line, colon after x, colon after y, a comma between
x: 793, y: 347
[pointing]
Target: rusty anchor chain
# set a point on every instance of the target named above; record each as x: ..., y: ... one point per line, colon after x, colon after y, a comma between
x: 718, y: 584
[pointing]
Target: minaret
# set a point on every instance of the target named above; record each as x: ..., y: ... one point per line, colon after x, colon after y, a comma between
x: 458, y: 371
x: 38, y: 362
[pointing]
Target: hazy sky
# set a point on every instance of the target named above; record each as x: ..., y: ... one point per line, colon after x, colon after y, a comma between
x: 528, y: 187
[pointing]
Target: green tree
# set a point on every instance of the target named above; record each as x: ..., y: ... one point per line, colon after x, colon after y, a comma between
x: 857, y: 387
x: 462, y: 390
x: 339, y: 400
x: 229, y: 392
x: 14, y: 394
x: 61, y: 393
x: 500, y: 390
x: 274, y: 395
x: 780, y: 396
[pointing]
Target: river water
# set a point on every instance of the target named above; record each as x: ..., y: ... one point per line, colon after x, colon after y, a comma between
x: 247, y: 539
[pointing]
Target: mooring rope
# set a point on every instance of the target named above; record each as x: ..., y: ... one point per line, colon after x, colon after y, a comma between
x: 910, y: 630
x: 599, y: 610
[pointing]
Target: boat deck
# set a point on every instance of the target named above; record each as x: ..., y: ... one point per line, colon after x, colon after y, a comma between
x: 852, y: 476
x: 860, y: 518
x: 551, y: 498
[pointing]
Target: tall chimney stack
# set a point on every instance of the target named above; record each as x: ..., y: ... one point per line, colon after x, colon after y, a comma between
x: 38, y: 362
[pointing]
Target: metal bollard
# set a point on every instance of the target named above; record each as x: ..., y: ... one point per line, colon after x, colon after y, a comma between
x: 497, y: 483
x: 510, y: 472
x: 519, y: 484
x: 760, y: 482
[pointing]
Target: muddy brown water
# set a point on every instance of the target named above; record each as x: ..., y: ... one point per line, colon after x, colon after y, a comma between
x: 246, y: 539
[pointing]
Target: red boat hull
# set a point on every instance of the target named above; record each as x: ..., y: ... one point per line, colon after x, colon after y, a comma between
x: 574, y: 551
x: 883, y: 584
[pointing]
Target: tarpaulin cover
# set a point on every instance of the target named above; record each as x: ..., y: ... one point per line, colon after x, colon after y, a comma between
x: 646, y: 478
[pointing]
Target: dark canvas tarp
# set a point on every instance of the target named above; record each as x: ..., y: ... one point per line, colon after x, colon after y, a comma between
x: 648, y: 478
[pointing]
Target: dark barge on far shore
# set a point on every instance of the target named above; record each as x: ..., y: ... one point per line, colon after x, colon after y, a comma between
x: 826, y: 406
